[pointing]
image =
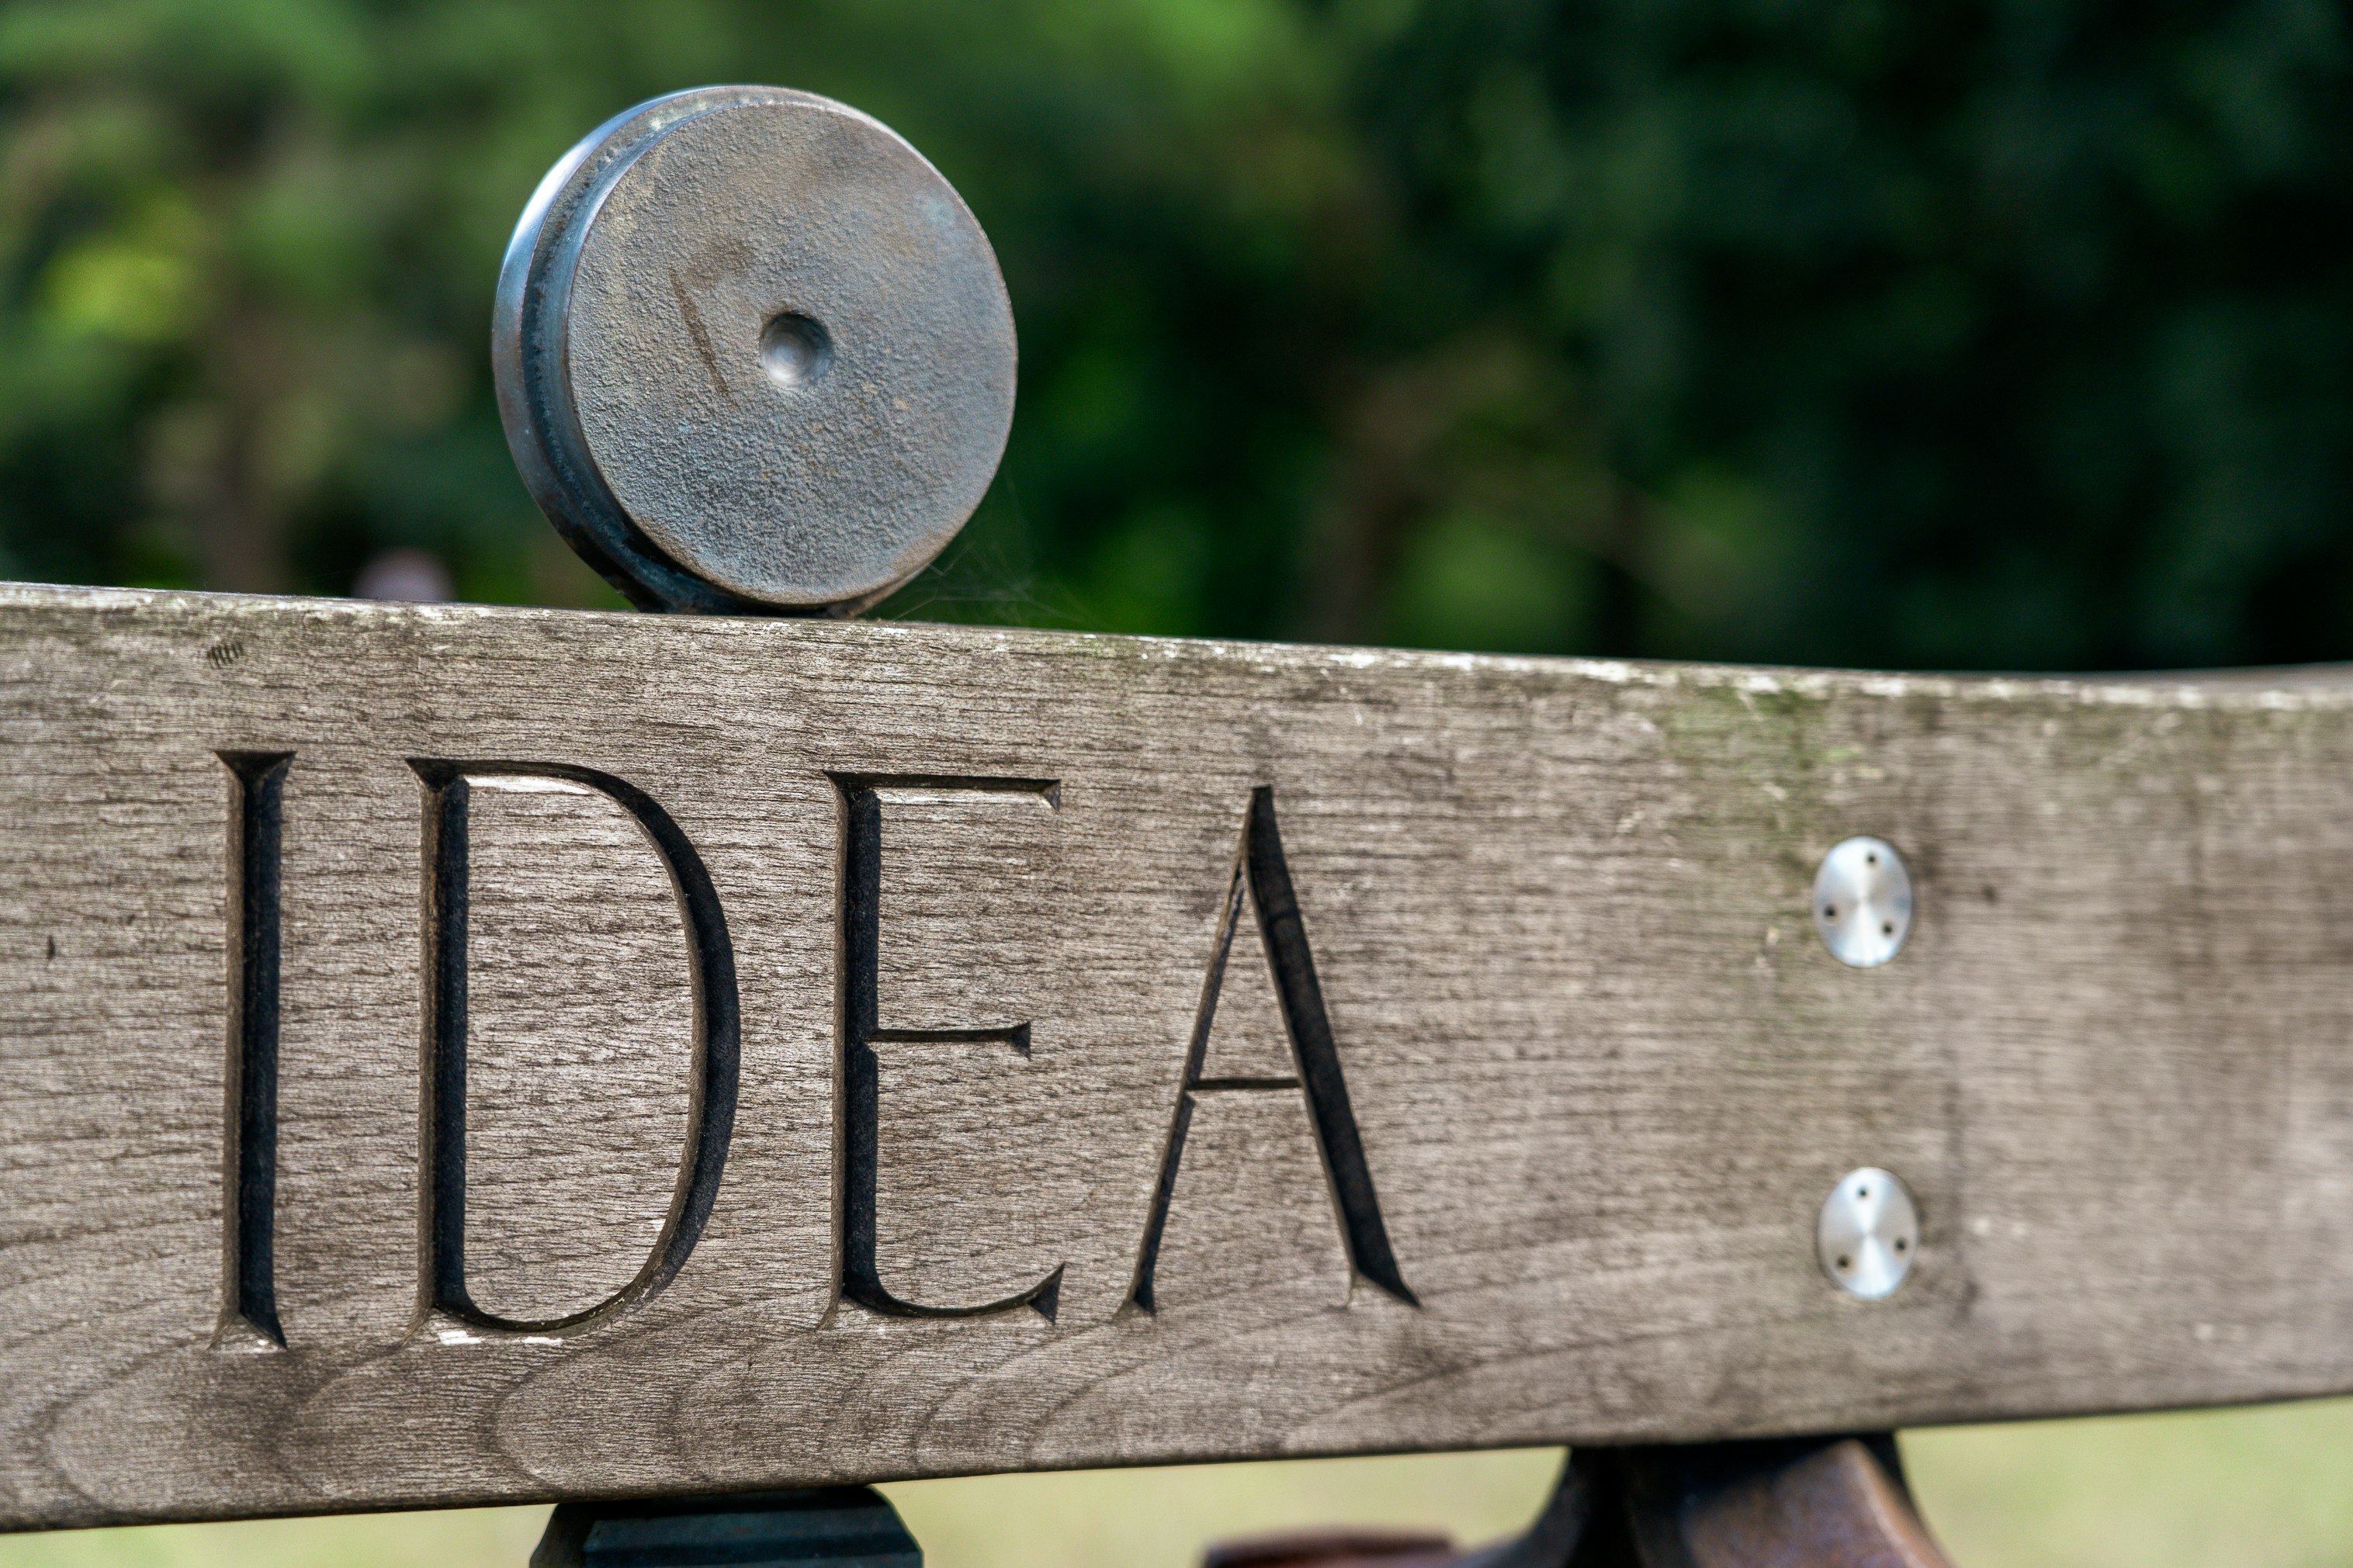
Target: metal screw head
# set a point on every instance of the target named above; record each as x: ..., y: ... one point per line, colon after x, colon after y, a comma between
x: 753, y: 354
x: 1868, y: 1233
x: 1862, y: 901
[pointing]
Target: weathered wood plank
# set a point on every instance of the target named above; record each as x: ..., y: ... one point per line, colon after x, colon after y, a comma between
x: 1600, y: 1069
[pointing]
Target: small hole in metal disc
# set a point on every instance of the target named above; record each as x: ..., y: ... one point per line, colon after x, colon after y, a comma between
x: 795, y: 351
x: 1829, y: 911
x: 1846, y: 1262
x: 1902, y: 1245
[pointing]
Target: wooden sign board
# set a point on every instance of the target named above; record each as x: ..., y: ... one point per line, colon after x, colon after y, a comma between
x: 453, y: 1055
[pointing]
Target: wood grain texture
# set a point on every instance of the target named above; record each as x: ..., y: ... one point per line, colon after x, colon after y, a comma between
x: 1600, y: 1067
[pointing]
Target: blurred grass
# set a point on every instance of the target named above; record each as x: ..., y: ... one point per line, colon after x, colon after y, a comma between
x: 2264, y: 1488
x: 2268, y: 1488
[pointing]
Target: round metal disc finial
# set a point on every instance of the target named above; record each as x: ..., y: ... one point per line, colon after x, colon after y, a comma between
x: 753, y: 352
x: 1868, y: 1233
x: 1862, y: 901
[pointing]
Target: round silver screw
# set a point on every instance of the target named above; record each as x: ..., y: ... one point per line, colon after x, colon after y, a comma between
x: 754, y: 354
x: 1868, y: 1233
x: 1863, y: 902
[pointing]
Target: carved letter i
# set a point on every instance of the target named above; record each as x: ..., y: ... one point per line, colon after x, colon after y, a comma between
x: 249, y: 1169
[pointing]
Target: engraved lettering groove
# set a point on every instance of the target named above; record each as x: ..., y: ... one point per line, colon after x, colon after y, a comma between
x: 249, y: 1166
x: 861, y: 1073
x: 1260, y: 869
x: 701, y: 334
x: 712, y: 262
x: 710, y: 1116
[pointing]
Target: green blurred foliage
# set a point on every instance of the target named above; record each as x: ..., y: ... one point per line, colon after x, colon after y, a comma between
x: 1947, y: 332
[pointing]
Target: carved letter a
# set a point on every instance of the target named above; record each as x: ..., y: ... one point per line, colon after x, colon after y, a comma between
x: 1260, y: 873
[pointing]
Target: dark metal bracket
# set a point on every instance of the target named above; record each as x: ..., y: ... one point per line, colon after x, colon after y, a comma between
x: 1805, y: 1503
x: 1820, y: 1503
x: 823, y: 1527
